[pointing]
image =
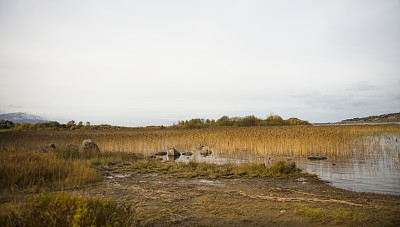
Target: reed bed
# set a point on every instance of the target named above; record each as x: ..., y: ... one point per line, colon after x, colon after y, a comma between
x: 22, y: 169
x: 286, y: 141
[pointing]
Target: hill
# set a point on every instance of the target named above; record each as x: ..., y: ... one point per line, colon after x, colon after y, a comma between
x: 392, y: 117
x: 22, y: 118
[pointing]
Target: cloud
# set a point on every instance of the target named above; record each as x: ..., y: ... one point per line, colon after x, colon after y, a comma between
x: 362, y: 87
x: 10, y: 108
x: 361, y: 99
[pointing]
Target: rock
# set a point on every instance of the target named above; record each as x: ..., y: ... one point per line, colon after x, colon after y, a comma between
x: 205, y: 151
x: 48, y: 148
x: 173, y: 152
x: 173, y: 158
x: 89, y: 146
x: 187, y: 153
x: 161, y: 153
x: 317, y: 158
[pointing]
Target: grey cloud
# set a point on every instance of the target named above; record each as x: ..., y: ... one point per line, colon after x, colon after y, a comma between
x: 362, y: 97
x: 362, y: 86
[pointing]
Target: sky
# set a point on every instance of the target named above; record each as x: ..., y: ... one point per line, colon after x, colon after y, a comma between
x: 138, y: 63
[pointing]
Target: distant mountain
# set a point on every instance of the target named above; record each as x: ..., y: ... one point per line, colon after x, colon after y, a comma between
x: 22, y: 118
x: 393, y: 117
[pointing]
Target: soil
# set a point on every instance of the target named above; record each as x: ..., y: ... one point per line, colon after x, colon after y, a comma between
x: 163, y: 200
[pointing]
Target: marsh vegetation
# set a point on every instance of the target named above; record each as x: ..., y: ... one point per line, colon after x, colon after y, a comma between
x: 286, y: 141
x: 123, y: 186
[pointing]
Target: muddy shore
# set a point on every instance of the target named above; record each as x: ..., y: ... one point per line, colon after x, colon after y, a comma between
x: 163, y: 200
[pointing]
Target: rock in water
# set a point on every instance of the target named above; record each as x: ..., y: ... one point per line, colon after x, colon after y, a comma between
x: 161, y: 153
x: 89, y: 146
x: 173, y: 152
x: 317, y: 158
x: 48, y: 148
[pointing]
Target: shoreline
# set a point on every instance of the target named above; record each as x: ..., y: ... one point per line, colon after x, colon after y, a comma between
x: 247, y: 201
x: 160, y: 199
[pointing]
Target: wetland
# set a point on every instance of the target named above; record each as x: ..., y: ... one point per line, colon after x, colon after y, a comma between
x: 254, y: 176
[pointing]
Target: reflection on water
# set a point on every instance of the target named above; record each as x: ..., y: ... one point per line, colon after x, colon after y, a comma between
x: 375, y: 171
x: 374, y: 174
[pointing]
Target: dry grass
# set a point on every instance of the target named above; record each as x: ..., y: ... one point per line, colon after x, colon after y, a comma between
x: 65, y: 210
x: 22, y: 169
x: 265, y: 141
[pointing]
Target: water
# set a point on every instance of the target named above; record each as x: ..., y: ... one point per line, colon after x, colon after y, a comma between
x: 377, y: 172
x: 374, y: 174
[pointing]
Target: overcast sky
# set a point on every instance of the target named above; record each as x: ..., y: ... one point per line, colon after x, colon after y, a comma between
x: 137, y: 63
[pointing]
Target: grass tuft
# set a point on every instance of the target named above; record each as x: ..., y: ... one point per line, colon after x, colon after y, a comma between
x: 213, y: 171
x: 62, y: 209
x: 21, y: 169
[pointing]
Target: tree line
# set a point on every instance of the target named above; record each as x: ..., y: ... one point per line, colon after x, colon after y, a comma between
x: 248, y: 121
x: 71, y: 125
x: 225, y: 121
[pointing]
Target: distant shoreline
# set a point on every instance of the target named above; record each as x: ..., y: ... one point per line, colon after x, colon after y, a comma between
x: 359, y: 123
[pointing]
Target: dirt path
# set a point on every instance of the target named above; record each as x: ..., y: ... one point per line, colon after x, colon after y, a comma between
x: 164, y: 200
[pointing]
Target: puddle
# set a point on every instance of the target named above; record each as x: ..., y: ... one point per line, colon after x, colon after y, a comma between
x: 210, y: 182
x: 122, y: 175
x: 302, y: 180
x: 118, y: 176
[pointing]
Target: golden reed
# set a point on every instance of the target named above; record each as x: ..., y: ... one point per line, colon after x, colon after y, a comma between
x: 289, y: 141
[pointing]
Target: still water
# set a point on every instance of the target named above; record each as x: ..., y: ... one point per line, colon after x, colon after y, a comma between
x: 377, y: 172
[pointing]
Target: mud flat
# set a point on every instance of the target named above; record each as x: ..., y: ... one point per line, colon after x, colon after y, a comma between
x: 165, y: 200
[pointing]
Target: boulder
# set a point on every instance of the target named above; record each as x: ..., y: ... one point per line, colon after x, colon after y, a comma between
x: 48, y: 148
x: 205, y: 151
x: 89, y: 146
x: 173, y: 152
x: 316, y: 158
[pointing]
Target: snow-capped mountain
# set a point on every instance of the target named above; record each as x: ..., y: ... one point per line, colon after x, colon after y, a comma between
x: 22, y: 118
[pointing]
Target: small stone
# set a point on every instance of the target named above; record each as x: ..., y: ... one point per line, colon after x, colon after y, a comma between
x: 316, y: 158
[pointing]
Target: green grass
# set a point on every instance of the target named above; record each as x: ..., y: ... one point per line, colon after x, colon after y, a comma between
x: 213, y: 171
x: 311, y: 213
